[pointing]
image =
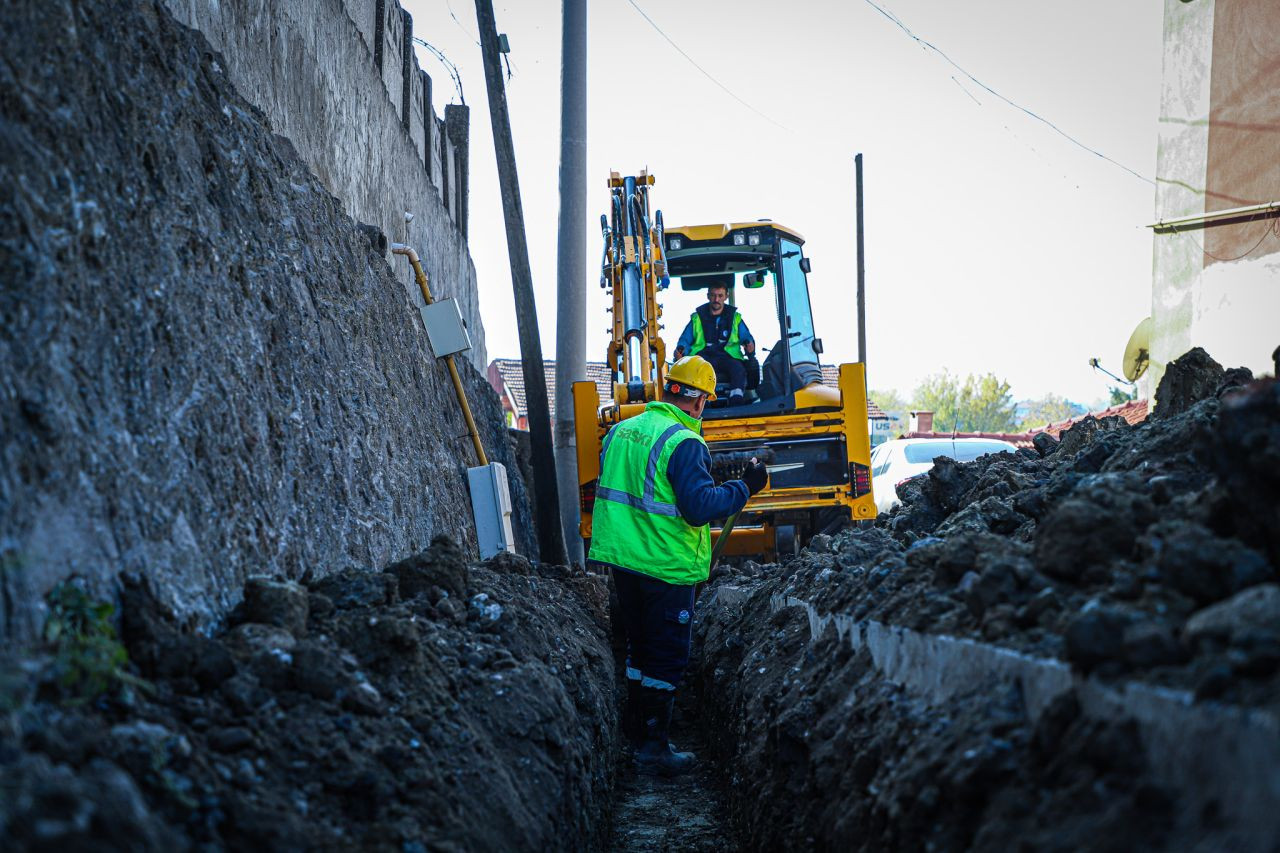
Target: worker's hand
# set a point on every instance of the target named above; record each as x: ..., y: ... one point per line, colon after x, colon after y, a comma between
x: 679, y: 354
x: 750, y: 347
x: 756, y: 476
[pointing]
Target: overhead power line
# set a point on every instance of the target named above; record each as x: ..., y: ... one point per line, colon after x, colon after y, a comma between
x: 449, y: 6
x: 898, y: 22
x: 705, y: 72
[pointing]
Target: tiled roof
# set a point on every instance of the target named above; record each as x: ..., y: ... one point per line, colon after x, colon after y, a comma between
x: 831, y: 377
x: 1134, y: 412
x: 1017, y: 439
x: 512, y: 374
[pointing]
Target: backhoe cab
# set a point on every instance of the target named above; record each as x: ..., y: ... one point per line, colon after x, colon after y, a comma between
x: 813, y: 437
x: 767, y: 257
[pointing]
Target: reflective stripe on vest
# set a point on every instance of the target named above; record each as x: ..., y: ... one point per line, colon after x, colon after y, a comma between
x: 732, y: 347
x: 636, y: 523
x: 644, y: 500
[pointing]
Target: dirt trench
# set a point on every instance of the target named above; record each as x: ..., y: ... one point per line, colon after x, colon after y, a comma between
x: 436, y: 705
x: 1005, y: 661
x: 429, y: 705
x: 688, y: 813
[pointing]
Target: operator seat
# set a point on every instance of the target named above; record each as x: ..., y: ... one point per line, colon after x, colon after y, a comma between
x: 773, y: 383
x: 750, y: 393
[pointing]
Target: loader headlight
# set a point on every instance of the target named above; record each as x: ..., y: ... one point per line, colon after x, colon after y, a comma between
x: 674, y: 243
x: 740, y: 239
x: 754, y: 239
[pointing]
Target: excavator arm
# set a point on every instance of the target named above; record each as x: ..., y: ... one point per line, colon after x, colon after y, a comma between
x: 633, y: 270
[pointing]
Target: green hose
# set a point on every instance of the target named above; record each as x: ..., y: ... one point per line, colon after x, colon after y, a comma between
x: 724, y: 538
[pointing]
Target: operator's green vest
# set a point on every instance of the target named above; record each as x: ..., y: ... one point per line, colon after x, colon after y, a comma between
x: 635, y: 524
x: 732, y: 347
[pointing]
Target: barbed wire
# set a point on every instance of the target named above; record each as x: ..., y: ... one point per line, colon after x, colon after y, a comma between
x: 447, y: 63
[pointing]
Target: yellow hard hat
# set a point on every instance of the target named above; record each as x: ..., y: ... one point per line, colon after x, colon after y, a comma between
x: 695, y: 372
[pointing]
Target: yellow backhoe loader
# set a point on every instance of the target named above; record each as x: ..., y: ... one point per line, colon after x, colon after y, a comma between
x: 813, y: 437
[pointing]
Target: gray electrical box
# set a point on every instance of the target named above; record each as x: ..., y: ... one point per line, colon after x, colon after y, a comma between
x: 445, y: 329
x: 491, y: 505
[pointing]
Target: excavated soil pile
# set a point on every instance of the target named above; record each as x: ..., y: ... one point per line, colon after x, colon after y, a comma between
x: 430, y: 706
x: 1145, y: 552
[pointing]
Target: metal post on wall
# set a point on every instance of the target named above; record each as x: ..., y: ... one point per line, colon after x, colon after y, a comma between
x: 547, y: 512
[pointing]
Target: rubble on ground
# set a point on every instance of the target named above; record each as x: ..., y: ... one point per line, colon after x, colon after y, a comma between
x: 1145, y: 552
x: 430, y: 706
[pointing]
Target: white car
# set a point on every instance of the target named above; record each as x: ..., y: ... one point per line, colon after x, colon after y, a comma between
x: 895, y: 462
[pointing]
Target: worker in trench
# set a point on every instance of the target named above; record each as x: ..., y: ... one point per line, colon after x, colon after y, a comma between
x: 651, y: 527
x: 716, y: 332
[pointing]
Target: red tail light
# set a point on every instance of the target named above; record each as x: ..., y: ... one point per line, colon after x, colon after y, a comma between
x: 860, y: 476
x: 587, y: 497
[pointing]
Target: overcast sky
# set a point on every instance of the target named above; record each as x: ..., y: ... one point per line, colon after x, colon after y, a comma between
x: 993, y: 243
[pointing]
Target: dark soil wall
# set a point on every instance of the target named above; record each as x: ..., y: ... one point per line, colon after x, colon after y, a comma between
x: 821, y: 752
x: 206, y: 369
x: 432, y: 706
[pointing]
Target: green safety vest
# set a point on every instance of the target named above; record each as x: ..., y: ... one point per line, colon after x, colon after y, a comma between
x: 635, y: 523
x: 732, y: 347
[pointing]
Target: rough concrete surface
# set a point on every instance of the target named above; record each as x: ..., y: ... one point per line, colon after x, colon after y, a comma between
x: 432, y: 706
x: 307, y: 66
x: 207, y: 370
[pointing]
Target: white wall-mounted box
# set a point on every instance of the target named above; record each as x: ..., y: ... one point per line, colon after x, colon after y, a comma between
x: 491, y: 506
x: 445, y: 329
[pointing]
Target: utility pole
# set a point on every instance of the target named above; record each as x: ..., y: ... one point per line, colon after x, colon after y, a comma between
x: 571, y: 261
x: 547, y: 511
x: 862, y: 272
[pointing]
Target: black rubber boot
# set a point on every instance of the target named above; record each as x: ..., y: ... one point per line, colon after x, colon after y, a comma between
x: 633, y: 715
x: 656, y: 755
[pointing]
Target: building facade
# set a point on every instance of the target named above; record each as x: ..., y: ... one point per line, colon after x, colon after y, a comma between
x: 1216, y: 277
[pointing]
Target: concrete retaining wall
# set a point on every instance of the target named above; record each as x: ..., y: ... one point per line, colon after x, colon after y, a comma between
x: 207, y: 369
x: 340, y: 79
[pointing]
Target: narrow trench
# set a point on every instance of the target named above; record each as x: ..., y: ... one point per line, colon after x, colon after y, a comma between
x: 686, y: 813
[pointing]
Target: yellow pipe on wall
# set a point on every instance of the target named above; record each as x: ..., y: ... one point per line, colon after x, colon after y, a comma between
x: 421, y: 276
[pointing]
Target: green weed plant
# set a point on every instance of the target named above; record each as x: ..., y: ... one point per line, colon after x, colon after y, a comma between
x: 88, y: 657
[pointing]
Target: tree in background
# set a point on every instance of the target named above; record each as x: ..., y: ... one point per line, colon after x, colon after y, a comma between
x: 1049, y: 409
x: 1120, y: 396
x: 976, y: 404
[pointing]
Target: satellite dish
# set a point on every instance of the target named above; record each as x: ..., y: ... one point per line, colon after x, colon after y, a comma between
x: 1138, y: 351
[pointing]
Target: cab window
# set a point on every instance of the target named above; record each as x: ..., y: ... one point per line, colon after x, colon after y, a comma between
x: 799, y: 319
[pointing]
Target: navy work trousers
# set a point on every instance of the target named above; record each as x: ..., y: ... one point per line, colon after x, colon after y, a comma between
x: 729, y: 370
x: 657, y: 621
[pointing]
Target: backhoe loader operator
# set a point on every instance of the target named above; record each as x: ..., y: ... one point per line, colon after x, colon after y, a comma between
x: 716, y: 332
x: 654, y: 501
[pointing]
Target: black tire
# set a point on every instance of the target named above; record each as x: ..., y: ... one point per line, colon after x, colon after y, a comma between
x: 786, y: 541
x: 830, y: 520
